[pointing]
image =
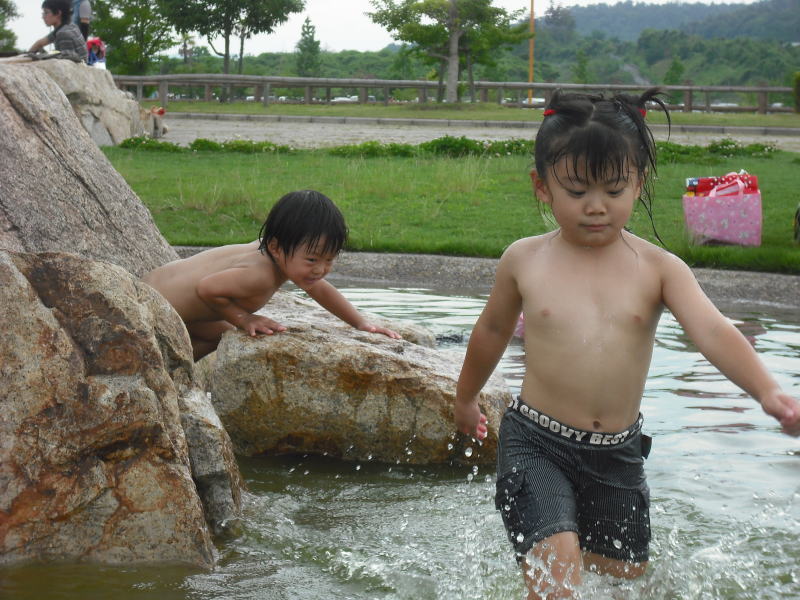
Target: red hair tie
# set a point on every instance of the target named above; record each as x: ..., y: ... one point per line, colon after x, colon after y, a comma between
x: 549, y: 111
x: 644, y: 112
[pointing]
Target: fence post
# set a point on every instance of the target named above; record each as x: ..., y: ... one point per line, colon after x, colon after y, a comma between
x: 500, y: 93
x: 139, y: 91
x: 762, y: 102
x: 328, y: 95
x: 267, y: 92
x: 423, y: 95
x: 258, y: 94
x: 386, y: 93
x: 308, y: 94
x: 207, y: 92
x: 687, y: 98
x: 484, y: 95
x: 362, y: 95
x: 163, y: 90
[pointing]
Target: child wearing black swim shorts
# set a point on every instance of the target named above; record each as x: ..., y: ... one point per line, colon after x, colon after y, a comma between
x: 571, y: 486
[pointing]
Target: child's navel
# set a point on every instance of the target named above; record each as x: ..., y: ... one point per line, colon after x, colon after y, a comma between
x: 545, y: 312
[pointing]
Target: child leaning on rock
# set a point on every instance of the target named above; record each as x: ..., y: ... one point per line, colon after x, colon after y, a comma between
x: 220, y: 289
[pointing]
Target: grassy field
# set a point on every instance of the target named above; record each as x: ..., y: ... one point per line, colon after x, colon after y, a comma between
x: 473, y: 206
x: 481, y: 111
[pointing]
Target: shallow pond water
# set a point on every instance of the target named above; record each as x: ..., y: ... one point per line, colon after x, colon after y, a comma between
x: 725, y: 487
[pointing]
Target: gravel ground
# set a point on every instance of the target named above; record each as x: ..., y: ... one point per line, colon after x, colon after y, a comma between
x: 327, y: 131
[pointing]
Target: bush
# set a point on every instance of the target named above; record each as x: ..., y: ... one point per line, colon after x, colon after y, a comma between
x: 373, y: 150
x: 205, y: 145
x: 454, y: 147
x: 146, y: 143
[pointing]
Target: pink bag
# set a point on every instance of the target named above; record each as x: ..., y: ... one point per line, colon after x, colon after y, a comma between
x: 730, y: 213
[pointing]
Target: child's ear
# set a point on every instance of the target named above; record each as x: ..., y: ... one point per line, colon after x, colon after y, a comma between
x: 540, y: 189
x: 273, y: 248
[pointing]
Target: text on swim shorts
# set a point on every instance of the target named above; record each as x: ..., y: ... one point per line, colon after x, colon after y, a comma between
x: 545, y: 422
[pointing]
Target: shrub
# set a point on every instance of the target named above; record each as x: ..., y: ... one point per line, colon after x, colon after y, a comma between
x: 146, y: 143
x: 454, y: 147
x: 205, y: 145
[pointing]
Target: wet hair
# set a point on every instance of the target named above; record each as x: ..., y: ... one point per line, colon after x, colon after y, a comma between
x: 304, y: 217
x: 61, y: 7
x: 607, y: 136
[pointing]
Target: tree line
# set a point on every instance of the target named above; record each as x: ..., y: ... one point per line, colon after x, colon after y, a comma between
x: 451, y: 41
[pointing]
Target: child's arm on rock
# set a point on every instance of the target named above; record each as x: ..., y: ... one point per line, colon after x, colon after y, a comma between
x: 332, y: 300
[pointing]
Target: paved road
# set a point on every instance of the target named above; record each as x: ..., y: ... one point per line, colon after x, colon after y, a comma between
x: 324, y: 133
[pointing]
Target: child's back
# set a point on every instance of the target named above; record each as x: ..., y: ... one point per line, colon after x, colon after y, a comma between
x: 221, y: 289
x: 178, y: 280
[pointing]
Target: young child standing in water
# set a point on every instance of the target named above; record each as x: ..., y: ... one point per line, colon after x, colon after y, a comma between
x: 221, y: 289
x: 571, y: 486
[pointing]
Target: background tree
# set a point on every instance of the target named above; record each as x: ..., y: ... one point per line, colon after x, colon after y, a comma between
x: 308, y: 61
x: 437, y: 28
x: 580, y: 71
x: 226, y: 18
x: 674, y: 75
x: 134, y: 31
x: 8, y: 11
x: 188, y: 48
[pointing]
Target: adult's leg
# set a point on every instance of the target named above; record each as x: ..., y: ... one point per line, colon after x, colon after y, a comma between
x: 205, y: 336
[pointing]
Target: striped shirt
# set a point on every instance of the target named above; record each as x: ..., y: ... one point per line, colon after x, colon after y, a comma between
x: 69, y: 42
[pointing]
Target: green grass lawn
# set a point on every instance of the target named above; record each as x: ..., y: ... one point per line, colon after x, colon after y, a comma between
x: 473, y: 206
x: 481, y: 111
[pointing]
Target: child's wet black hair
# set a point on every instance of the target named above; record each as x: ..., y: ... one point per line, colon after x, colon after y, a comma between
x: 605, y: 135
x: 304, y: 217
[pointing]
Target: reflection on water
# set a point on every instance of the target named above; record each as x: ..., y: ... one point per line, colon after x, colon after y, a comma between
x: 725, y: 499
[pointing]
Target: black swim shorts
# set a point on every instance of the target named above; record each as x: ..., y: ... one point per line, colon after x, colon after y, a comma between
x: 554, y: 478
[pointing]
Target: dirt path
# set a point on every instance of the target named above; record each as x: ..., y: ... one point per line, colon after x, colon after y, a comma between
x: 320, y: 134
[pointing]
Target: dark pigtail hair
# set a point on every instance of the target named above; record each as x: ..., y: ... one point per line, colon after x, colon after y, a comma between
x: 606, y: 135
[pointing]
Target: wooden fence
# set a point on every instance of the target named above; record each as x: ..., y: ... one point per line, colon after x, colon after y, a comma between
x: 509, y: 92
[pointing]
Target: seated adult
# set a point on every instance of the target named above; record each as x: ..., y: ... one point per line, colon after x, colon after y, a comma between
x: 65, y: 35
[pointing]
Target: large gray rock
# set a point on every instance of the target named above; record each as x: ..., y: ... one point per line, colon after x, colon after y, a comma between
x: 94, y: 463
x: 107, y: 113
x: 58, y: 192
x: 323, y: 387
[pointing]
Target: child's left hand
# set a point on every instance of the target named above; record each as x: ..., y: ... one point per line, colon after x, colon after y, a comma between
x: 375, y: 329
x: 785, y: 408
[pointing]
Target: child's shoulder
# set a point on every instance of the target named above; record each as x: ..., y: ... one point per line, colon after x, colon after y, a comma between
x: 656, y: 256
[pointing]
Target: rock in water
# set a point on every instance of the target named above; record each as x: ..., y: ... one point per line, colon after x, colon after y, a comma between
x: 325, y: 388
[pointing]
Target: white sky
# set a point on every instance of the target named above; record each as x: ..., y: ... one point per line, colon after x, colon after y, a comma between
x: 340, y: 24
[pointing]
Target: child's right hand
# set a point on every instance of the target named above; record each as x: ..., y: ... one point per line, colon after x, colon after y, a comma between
x: 784, y: 408
x: 255, y: 324
x: 469, y: 419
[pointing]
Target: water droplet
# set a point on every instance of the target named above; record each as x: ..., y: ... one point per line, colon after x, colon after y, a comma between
x: 305, y: 472
x: 369, y: 457
x: 617, y: 544
x: 506, y: 508
x: 467, y: 452
x: 358, y: 467
x: 474, y: 469
x: 449, y: 446
x: 470, y: 476
x: 520, y: 538
x: 488, y: 479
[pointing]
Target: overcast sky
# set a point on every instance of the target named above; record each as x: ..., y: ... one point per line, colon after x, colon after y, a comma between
x: 340, y: 24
